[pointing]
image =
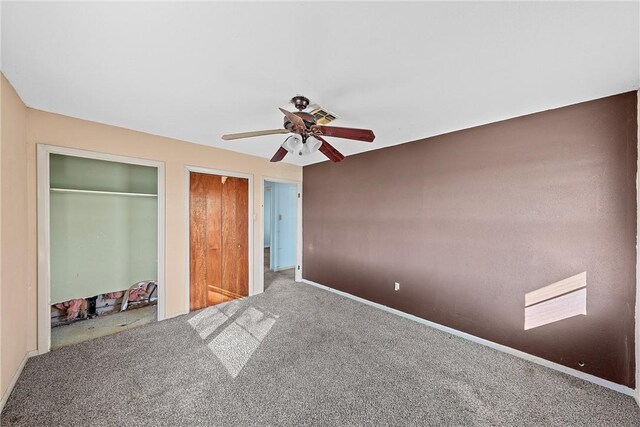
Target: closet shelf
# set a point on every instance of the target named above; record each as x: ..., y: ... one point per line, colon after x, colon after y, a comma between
x: 112, y: 193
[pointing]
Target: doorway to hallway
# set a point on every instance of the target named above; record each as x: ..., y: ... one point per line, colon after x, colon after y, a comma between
x: 280, y: 232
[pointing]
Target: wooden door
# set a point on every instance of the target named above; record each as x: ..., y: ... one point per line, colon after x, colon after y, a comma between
x: 235, y: 237
x: 218, y: 239
x: 205, y: 228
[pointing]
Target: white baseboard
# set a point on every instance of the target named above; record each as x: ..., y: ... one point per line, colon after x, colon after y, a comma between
x: 174, y: 315
x: 521, y: 354
x: 15, y: 377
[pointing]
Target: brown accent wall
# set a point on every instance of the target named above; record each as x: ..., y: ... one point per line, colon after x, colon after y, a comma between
x: 470, y: 221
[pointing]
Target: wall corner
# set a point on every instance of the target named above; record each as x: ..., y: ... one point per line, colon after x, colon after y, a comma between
x: 637, y: 329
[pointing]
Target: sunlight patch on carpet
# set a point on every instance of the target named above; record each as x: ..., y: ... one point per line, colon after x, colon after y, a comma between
x: 241, y: 336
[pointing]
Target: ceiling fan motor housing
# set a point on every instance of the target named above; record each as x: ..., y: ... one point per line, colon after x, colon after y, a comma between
x: 300, y: 102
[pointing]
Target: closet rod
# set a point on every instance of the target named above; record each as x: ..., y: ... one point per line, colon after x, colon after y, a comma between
x: 113, y: 193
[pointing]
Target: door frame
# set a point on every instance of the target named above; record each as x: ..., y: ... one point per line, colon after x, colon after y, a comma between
x: 44, y: 235
x: 298, y: 269
x: 270, y: 216
x: 250, y: 247
x: 271, y: 222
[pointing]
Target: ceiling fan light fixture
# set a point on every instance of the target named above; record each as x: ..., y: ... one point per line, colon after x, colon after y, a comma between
x: 310, y: 147
x: 293, y: 144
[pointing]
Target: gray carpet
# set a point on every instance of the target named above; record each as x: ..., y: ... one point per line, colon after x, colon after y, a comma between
x: 298, y: 355
x: 272, y: 277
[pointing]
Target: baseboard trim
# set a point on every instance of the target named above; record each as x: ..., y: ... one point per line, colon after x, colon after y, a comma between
x: 15, y: 377
x: 171, y: 316
x: 521, y: 354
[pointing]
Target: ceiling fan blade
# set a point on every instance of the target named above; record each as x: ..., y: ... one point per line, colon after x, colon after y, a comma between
x: 297, y: 122
x: 329, y: 151
x: 279, y: 154
x: 231, y: 136
x: 365, y: 135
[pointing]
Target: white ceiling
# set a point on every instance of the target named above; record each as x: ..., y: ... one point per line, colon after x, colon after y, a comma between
x: 195, y: 71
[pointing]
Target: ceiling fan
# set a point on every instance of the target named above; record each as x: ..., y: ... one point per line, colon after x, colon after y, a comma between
x: 307, y: 136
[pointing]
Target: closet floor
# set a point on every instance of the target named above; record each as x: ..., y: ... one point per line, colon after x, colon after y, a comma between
x: 102, y: 326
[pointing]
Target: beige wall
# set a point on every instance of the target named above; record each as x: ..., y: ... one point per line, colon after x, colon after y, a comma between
x: 53, y: 129
x: 22, y: 129
x: 16, y: 307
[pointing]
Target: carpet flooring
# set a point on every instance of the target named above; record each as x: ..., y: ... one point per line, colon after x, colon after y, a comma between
x: 272, y: 277
x: 299, y: 355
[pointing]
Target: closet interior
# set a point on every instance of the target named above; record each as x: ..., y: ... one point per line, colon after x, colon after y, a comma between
x: 103, y: 224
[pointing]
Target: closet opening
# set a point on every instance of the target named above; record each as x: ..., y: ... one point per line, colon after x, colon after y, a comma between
x: 281, y: 222
x: 101, y: 243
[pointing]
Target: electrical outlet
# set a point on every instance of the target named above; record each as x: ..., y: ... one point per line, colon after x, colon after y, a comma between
x: 397, y: 286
